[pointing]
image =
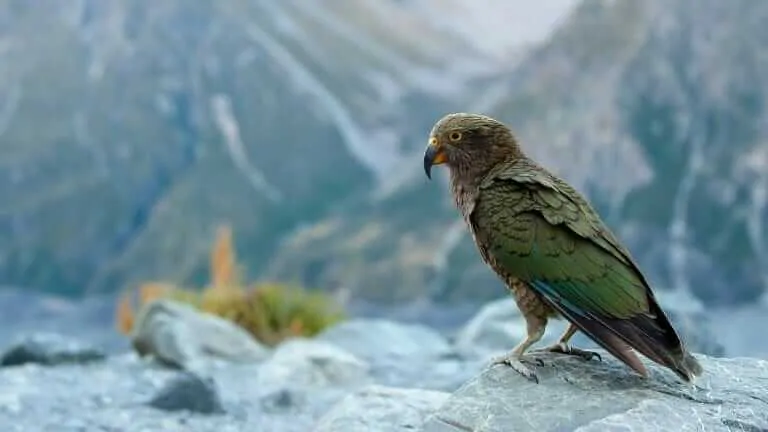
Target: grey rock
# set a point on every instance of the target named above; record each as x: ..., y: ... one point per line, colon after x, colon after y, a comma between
x: 401, y: 355
x: 496, y: 328
x: 586, y: 396
x: 309, y: 385
x: 377, y: 339
x: 188, y: 392
x: 284, y: 400
x: 49, y: 349
x: 114, y: 395
x: 311, y: 363
x: 180, y: 336
x: 382, y: 409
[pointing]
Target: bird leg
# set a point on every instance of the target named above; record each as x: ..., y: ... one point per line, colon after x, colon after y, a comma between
x: 514, y: 358
x: 562, y: 347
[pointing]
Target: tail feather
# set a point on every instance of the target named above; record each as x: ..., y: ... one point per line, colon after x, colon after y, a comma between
x: 610, y: 342
x: 647, y: 335
x: 690, y: 365
x: 651, y: 334
x: 666, y: 342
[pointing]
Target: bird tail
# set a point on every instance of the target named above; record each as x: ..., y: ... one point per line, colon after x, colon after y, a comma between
x: 651, y: 334
x: 669, y: 348
x: 654, y: 337
x: 686, y: 366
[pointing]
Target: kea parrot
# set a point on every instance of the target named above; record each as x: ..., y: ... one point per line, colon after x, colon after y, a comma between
x: 551, y: 249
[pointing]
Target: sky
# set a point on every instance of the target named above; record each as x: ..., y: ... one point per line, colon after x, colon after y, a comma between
x: 522, y: 21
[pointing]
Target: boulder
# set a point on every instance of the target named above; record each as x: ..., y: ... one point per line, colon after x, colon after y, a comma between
x: 311, y: 363
x: 382, y: 409
x: 377, y: 340
x: 301, y: 386
x: 49, y: 349
x: 578, y: 395
x: 181, y: 336
x: 401, y: 354
x: 304, y: 376
x: 188, y: 392
x: 496, y: 328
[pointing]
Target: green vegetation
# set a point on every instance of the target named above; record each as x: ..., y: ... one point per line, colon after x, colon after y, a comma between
x: 270, y: 311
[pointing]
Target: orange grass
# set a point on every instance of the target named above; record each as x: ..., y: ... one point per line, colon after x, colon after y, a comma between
x: 270, y: 311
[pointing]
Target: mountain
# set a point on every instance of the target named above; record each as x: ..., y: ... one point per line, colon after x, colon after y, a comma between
x: 653, y: 109
x: 130, y: 131
x: 657, y: 110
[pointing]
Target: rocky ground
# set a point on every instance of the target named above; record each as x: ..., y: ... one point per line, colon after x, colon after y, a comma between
x: 200, y: 373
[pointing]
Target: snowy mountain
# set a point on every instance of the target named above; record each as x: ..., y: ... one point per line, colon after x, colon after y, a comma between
x: 130, y: 130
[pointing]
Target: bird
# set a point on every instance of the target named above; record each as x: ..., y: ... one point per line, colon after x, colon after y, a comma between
x: 552, y: 250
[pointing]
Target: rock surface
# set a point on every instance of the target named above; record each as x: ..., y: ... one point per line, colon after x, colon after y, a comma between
x: 577, y: 395
x: 401, y: 354
x: 181, y: 336
x: 379, y: 339
x: 310, y: 363
x: 382, y: 409
x: 496, y: 328
x: 49, y: 349
x: 188, y: 392
x: 306, y: 385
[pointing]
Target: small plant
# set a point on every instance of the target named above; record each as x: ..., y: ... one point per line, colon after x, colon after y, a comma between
x: 270, y: 311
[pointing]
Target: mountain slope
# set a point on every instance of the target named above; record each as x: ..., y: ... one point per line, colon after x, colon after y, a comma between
x: 653, y: 109
x: 129, y: 131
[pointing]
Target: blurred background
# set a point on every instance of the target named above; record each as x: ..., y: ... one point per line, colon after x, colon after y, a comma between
x: 133, y: 134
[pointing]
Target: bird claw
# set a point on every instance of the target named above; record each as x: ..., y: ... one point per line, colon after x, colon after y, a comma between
x: 561, y: 348
x: 514, y: 362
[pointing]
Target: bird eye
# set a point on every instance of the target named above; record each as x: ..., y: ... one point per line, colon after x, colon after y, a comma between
x: 455, y: 136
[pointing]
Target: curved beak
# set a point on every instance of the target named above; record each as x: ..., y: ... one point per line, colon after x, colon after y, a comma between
x: 433, y: 155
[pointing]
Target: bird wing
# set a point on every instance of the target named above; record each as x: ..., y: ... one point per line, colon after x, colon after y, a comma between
x: 542, y: 231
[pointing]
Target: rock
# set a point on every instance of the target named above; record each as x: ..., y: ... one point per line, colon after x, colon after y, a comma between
x: 579, y: 395
x: 382, y: 409
x: 375, y: 339
x: 496, y: 328
x: 180, y: 336
x: 497, y: 325
x: 49, y: 349
x: 188, y: 392
x: 283, y: 400
x: 115, y: 395
x: 308, y: 385
x: 400, y: 355
x: 311, y: 363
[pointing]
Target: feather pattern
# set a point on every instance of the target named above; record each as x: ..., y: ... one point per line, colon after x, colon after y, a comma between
x: 537, y: 228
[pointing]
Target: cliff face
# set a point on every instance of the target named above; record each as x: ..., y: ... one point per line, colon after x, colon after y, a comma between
x: 130, y: 131
x: 669, y: 119
x: 654, y: 110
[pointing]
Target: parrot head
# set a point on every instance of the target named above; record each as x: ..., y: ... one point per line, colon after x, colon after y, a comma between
x: 469, y: 143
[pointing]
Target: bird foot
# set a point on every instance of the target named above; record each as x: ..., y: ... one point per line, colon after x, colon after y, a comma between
x: 562, y: 348
x: 514, y: 361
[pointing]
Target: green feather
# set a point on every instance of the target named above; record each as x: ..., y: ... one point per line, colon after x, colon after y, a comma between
x: 539, y: 231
